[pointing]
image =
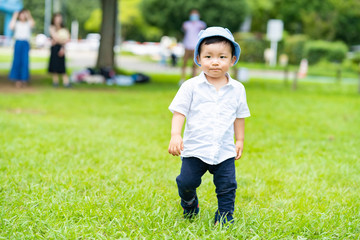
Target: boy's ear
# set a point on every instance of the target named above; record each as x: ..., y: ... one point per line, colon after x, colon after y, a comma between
x: 198, y: 59
x: 233, y: 60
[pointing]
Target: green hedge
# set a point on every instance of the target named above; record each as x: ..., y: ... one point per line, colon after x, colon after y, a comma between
x: 356, y: 58
x: 252, y: 47
x: 331, y: 51
x: 294, y: 47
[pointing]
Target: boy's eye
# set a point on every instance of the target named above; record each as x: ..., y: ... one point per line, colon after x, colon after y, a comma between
x: 207, y: 56
x: 222, y: 56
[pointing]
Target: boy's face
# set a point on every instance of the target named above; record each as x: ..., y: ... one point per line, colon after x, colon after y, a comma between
x: 216, y: 59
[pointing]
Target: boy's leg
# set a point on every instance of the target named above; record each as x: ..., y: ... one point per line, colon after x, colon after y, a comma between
x: 225, y: 182
x: 192, y: 169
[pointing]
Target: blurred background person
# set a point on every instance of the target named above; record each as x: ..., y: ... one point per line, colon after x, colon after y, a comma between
x: 59, y: 37
x: 21, y: 23
x: 191, y: 29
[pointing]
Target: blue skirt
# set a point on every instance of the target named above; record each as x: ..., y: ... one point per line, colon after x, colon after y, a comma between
x: 20, y: 66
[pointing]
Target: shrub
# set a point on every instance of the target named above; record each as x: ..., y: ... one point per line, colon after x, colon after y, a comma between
x: 330, y: 51
x: 356, y: 58
x: 252, y: 47
x: 294, y: 47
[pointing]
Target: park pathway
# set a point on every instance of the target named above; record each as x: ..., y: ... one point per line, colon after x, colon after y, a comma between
x: 82, y: 59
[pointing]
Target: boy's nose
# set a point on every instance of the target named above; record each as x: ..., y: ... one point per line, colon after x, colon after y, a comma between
x: 215, y: 61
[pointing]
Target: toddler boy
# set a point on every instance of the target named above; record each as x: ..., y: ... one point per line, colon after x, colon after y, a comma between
x: 214, y: 106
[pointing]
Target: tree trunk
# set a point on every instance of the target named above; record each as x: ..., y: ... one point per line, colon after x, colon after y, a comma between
x: 107, y: 32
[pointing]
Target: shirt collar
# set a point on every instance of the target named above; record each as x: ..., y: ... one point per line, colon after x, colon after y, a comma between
x: 204, y: 80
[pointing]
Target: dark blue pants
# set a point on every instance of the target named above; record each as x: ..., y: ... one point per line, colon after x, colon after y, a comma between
x: 20, y: 65
x: 224, y: 178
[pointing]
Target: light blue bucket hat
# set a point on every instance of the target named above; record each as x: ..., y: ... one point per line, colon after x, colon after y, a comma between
x: 216, y: 31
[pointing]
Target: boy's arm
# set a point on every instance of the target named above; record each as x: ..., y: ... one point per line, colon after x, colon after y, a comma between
x: 239, y: 129
x: 176, y: 144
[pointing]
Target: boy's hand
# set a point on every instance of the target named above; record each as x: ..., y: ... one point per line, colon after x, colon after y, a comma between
x: 176, y: 145
x: 239, y: 145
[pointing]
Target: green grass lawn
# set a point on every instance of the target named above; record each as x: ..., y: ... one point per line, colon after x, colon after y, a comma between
x: 92, y: 163
x: 9, y: 58
x: 323, y: 69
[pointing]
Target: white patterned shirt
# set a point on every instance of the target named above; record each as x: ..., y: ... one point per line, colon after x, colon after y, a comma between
x: 210, y: 117
x: 22, y: 30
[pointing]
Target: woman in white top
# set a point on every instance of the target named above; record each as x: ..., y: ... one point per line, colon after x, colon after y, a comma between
x: 22, y: 23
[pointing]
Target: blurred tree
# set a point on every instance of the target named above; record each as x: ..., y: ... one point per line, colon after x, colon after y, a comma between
x: 37, y: 8
x: 318, y: 25
x: 133, y: 26
x: 93, y: 23
x: 107, y: 31
x: 315, y: 18
x: 319, y: 19
x: 169, y: 15
x: 260, y: 11
x: 312, y: 17
x: 348, y: 21
x: 72, y: 10
x: 2, y: 19
x: 80, y: 11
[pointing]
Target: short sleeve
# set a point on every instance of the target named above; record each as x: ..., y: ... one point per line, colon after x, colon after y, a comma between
x: 185, y: 26
x: 182, y: 100
x: 203, y: 25
x: 243, y: 109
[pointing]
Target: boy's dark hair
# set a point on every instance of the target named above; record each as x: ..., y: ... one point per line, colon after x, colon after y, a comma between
x: 217, y: 39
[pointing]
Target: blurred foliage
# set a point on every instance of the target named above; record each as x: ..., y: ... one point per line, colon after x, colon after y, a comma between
x: 348, y: 21
x: 356, y: 58
x: 140, y: 31
x: 252, y: 46
x: 129, y: 9
x: 294, y: 47
x: 93, y: 23
x: 261, y: 11
x: 318, y: 19
x: 330, y: 20
x: 2, y: 20
x: 37, y: 9
x: 170, y: 15
x: 133, y: 26
x: 318, y: 50
x: 319, y: 27
x: 79, y: 10
x: 72, y: 10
